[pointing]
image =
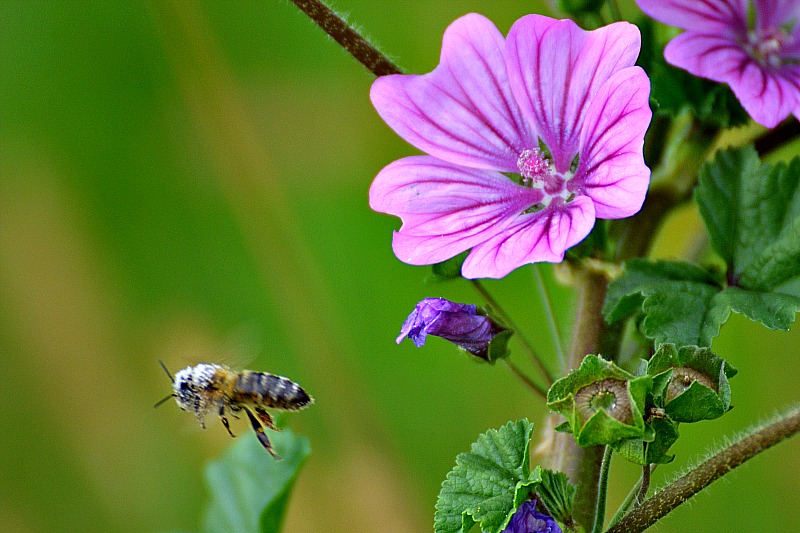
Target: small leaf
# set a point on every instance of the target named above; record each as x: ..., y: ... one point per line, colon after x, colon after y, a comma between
x: 557, y: 495
x: 248, y: 489
x: 489, y: 482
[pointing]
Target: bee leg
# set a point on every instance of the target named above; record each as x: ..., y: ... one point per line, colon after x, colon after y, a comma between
x: 225, y: 420
x: 266, y: 419
x: 261, y: 434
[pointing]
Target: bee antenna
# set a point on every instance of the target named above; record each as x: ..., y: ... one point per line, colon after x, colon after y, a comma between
x: 160, y: 402
x: 160, y: 362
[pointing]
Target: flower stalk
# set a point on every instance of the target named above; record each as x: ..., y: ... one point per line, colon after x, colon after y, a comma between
x: 352, y: 41
x: 700, y: 477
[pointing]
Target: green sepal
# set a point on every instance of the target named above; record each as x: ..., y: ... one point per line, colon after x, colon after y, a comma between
x: 489, y: 482
x: 699, y: 401
x: 498, y: 349
x: 599, y: 427
x: 564, y: 427
x: 498, y: 346
x: 447, y: 270
x: 661, y: 434
x: 557, y: 495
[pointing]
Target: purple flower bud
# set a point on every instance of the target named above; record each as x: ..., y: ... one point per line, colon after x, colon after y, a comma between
x: 460, y: 324
x: 528, y: 520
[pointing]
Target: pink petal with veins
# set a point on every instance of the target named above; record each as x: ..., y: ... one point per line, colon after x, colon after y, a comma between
x: 463, y: 111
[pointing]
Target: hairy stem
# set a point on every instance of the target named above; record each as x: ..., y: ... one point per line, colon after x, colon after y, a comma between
x: 526, y: 344
x: 700, y: 477
x: 350, y: 39
x: 645, y: 483
x: 589, y: 335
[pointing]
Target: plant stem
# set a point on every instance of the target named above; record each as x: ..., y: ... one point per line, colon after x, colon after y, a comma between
x: 700, y: 477
x: 602, y: 492
x: 544, y: 295
x: 535, y: 387
x: 645, y: 484
x: 589, y: 335
x: 526, y: 344
x: 358, y: 47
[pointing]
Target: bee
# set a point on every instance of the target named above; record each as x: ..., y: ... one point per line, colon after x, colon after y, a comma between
x: 206, y: 388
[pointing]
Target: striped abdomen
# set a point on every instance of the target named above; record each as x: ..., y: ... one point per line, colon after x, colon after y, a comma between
x: 271, y: 391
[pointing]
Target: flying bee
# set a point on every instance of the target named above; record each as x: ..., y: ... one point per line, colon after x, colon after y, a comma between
x: 206, y: 388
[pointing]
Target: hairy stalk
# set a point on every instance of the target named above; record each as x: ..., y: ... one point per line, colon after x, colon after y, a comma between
x: 589, y: 335
x: 535, y: 387
x: 700, y: 477
x: 355, y: 44
x: 544, y: 295
x: 526, y: 344
x: 602, y: 492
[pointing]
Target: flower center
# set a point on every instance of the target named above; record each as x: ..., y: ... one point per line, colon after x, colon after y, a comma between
x: 610, y: 395
x: 538, y: 172
x: 765, y: 47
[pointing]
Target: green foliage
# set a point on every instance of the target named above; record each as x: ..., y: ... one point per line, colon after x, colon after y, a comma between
x: 752, y: 212
x: 592, y: 424
x: 675, y: 91
x: 706, y: 398
x: 557, y: 495
x: 489, y: 482
x: 249, y: 489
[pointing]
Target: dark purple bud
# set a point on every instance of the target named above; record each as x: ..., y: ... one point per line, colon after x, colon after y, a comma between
x: 461, y: 324
x: 528, y: 520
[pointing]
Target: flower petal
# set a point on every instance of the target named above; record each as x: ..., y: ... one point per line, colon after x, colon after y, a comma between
x: 767, y: 96
x: 445, y: 209
x: 531, y: 238
x: 612, y: 171
x: 463, y: 111
x: 707, y: 15
x: 555, y: 67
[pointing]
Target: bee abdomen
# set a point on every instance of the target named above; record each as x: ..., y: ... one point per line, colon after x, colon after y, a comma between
x: 273, y: 391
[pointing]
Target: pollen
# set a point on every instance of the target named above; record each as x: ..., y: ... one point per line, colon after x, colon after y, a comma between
x: 537, y: 171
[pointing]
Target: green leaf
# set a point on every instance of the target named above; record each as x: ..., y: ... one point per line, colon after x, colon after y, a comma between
x: 248, y: 489
x: 489, y: 482
x: 557, y: 495
x: 752, y: 212
x: 685, y: 305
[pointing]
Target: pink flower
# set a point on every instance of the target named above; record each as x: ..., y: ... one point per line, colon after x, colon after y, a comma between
x: 758, y: 56
x: 561, y: 109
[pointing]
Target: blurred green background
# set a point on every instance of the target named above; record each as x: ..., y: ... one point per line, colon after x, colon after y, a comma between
x: 187, y: 180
